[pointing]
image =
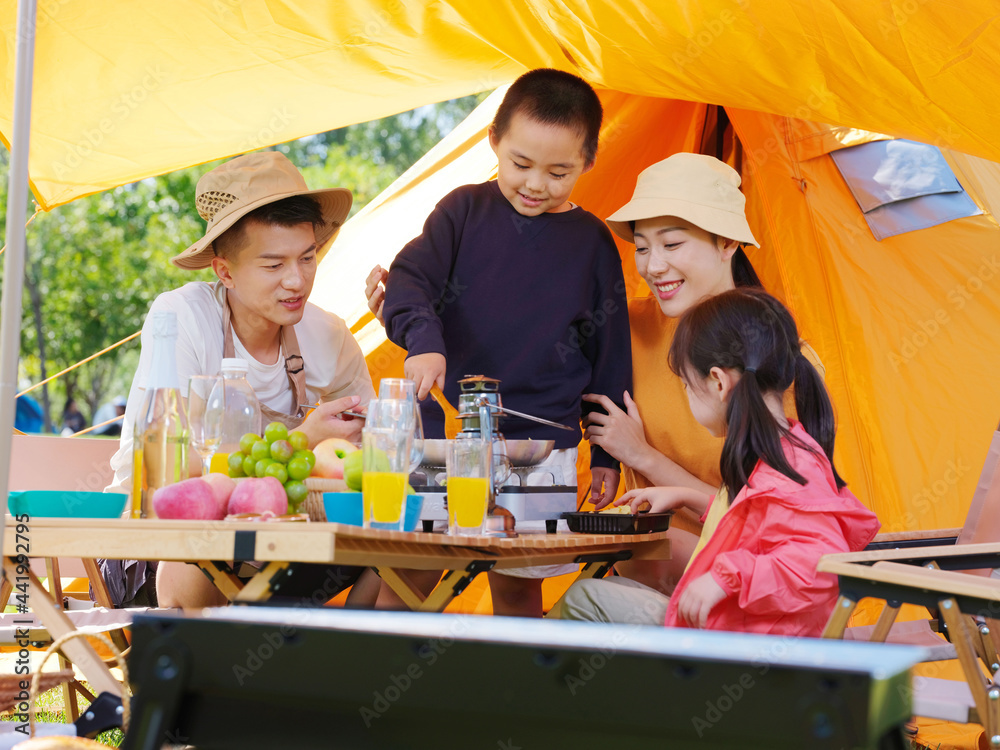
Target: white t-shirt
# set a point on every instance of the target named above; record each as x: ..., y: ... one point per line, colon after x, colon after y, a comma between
x: 334, y: 364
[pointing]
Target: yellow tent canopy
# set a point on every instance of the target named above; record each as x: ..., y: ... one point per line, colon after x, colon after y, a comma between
x: 123, y: 91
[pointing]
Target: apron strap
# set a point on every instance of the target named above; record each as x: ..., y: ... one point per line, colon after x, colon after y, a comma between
x: 294, y: 366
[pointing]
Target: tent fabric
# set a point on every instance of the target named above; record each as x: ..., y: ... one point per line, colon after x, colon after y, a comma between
x: 908, y: 328
x: 124, y: 91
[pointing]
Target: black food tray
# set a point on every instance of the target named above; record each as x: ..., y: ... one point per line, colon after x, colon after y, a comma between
x: 617, y: 523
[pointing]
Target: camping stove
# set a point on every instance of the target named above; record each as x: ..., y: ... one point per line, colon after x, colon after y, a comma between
x: 533, y: 491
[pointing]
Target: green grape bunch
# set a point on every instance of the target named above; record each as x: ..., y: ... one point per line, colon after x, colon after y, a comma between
x: 280, y: 454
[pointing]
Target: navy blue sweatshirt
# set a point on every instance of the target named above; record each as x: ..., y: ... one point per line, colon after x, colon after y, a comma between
x: 536, y: 302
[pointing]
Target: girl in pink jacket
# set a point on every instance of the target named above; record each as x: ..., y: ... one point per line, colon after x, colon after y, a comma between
x: 738, y: 353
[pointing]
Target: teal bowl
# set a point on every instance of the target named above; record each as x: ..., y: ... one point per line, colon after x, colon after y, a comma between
x: 347, y: 508
x: 66, y: 504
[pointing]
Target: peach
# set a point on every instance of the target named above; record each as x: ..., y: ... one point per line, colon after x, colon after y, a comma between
x: 191, y: 499
x: 330, y: 458
x: 258, y: 495
x: 222, y: 487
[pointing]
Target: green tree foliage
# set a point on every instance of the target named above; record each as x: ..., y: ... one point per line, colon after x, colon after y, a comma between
x: 94, y: 266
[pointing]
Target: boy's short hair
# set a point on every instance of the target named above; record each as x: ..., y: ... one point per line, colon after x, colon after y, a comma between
x: 553, y: 97
x: 287, y: 212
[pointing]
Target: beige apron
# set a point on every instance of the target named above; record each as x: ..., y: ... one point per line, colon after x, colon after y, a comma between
x: 294, y: 368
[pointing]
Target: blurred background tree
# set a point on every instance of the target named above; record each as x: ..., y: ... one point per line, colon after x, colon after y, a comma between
x: 94, y: 266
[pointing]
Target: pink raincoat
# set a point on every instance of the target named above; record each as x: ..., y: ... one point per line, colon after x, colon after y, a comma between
x: 765, y: 549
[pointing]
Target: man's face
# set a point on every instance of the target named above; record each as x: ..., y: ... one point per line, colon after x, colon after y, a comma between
x: 272, y: 275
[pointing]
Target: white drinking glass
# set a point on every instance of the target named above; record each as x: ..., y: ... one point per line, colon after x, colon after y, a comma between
x: 403, y: 389
x: 206, y: 410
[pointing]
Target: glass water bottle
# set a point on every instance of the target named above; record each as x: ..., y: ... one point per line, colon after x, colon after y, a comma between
x: 160, y: 438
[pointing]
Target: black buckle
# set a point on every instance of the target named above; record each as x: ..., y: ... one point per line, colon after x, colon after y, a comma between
x: 288, y: 365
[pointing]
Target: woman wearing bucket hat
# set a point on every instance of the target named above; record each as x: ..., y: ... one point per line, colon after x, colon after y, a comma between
x: 266, y: 231
x: 688, y: 222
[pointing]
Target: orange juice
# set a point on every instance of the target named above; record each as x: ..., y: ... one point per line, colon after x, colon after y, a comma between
x: 382, y: 493
x: 220, y: 464
x: 467, y: 498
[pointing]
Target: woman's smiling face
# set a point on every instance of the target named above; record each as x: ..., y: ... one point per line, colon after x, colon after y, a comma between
x: 681, y: 263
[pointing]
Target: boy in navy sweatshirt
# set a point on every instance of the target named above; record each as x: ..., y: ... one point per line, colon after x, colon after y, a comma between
x: 511, y: 280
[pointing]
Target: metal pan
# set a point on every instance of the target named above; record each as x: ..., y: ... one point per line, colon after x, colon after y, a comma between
x: 520, y: 452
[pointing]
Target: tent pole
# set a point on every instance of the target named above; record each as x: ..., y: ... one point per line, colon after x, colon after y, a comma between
x: 13, y: 261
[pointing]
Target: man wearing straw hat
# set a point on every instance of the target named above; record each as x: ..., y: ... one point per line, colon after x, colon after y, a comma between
x: 265, y: 236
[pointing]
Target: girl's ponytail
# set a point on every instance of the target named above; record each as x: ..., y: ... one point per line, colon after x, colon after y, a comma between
x: 751, y: 434
x: 815, y: 411
x: 748, y: 330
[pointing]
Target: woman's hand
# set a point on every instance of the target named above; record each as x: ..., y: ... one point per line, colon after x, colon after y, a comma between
x: 618, y: 432
x: 425, y: 370
x: 326, y: 421
x: 698, y: 598
x: 658, y: 499
x: 375, y: 291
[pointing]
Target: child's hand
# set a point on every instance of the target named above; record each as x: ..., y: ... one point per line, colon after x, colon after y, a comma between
x: 697, y: 600
x: 659, y: 499
x: 375, y: 291
x: 425, y: 370
x: 601, y: 476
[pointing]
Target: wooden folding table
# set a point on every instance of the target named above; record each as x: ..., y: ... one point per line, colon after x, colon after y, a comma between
x: 215, y: 545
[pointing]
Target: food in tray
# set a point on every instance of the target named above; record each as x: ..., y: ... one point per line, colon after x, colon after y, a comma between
x: 624, y: 509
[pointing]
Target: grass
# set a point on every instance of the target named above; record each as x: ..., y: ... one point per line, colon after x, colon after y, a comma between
x: 50, y: 708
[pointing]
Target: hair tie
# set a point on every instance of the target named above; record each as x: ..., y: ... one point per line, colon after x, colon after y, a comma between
x: 749, y: 369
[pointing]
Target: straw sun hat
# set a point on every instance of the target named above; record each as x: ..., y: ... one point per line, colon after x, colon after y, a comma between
x: 234, y: 189
x: 694, y: 187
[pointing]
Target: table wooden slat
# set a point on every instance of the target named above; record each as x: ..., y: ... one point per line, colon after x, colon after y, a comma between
x: 315, y: 543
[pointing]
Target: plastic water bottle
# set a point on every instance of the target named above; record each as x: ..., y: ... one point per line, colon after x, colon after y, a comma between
x: 160, y: 438
x: 242, y: 407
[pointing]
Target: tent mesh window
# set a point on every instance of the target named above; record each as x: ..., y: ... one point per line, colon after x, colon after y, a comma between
x: 902, y: 186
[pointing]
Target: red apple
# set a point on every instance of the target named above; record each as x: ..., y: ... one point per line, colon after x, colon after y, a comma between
x: 330, y: 458
x: 191, y: 499
x: 222, y: 487
x: 258, y: 495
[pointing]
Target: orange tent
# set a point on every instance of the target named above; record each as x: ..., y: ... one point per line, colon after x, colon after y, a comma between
x: 908, y: 327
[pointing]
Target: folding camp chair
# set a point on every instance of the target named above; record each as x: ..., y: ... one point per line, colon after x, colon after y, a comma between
x: 960, y: 597
x: 895, y: 570
x: 982, y: 526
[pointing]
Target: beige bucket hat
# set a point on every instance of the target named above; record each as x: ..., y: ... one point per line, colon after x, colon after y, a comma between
x: 694, y: 187
x: 234, y: 189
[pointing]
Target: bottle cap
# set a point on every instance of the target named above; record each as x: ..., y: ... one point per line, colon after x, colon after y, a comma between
x: 165, y: 324
x: 230, y: 364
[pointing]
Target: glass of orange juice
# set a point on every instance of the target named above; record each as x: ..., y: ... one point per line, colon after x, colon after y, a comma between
x: 469, y: 465
x: 385, y: 465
